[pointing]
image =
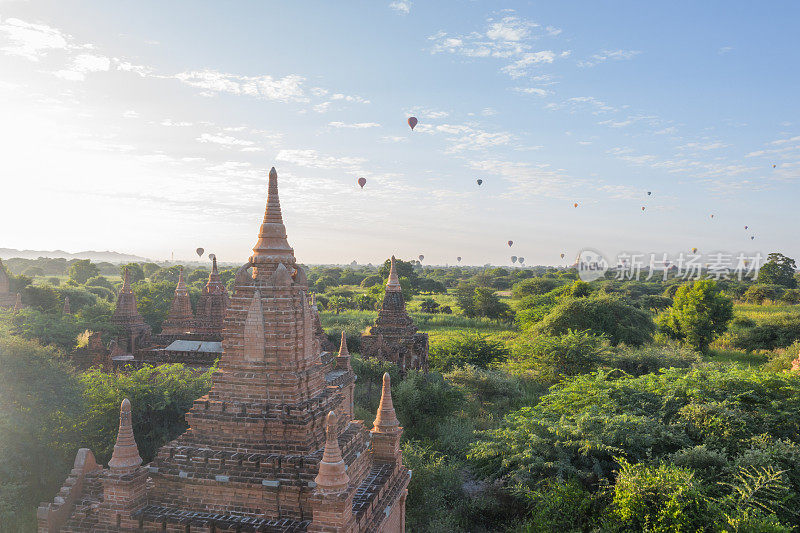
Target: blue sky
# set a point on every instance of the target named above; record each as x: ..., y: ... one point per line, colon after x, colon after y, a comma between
x: 148, y: 127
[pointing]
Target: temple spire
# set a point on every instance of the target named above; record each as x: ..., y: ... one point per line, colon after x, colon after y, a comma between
x: 393, y: 283
x: 126, y: 453
x: 66, y: 310
x: 343, y: 347
x: 343, y: 360
x: 126, y: 282
x: 332, y: 476
x: 386, y: 421
x: 181, y: 285
x: 214, y: 271
x: 272, y: 243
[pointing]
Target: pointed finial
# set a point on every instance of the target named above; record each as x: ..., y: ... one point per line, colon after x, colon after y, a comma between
x: 386, y: 421
x: 272, y: 236
x: 332, y: 476
x: 181, y: 284
x: 126, y: 281
x: 214, y: 265
x: 126, y: 453
x: 343, y: 352
x: 393, y: 283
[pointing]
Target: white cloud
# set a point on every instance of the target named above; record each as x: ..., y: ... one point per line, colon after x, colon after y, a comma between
x: 510, y: 29
x: 356, y: 125
x: 531, y: 90
x: 32, y: 41
x: 83, y: 63
x: 609, y: 55
x: 224, y: 140
x: 313, y: 159
x: 130, y: 114
x: 401, y: 6
x: 519, y: 68
x: 286, y: 89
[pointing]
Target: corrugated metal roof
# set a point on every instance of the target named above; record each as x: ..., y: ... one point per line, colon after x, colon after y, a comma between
x: 195, y: 346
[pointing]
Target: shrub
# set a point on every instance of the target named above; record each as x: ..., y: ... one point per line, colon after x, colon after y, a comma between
x: 371, y: 281
x: 552, y: 358
x: 776, y: 333
x: 638, y: 361
x: 610, y: 316
x: 423, y: 401
x: 466, y: 349
x: 761, y: 292
x: 533, y: 286
x: 559, y: 506
x: 699, y: 314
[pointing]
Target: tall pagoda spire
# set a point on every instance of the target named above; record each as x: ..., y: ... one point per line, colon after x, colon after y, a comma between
x: 343, y: 360
x: 272, y: 243
x: 393, y: 283
x: 386, y: 421
x: 180, y: 318
x: 126, y: 453
x: 332, y: 476
x: 126, y: 282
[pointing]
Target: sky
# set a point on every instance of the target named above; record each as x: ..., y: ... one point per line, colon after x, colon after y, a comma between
x: 148, y: 127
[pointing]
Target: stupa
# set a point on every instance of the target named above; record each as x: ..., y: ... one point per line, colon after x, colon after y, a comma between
x: 134, y: 332
x: 180, y: 319
x: 394, y: 337
x: 273, y: 447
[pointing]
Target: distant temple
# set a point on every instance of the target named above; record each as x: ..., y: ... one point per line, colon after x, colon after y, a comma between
x: 394, y: 337
x: 7, y: 298
x: 134, y: 332
x: 272, y: 448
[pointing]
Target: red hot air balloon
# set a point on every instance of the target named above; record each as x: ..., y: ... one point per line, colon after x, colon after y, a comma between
x: 412, y: 121
x: 643, y: 208
x: 575, y: 204
x: 510, y: 244
x: 362, y: 182
x: 694, y: 250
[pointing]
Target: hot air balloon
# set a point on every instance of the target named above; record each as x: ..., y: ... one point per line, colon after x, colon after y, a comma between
x: 212, y: 256
x: 649, y: 193
x: 521, y: 260
x: 459, y: 258
x: 362, y: 182
x: 421, y: 257
x: 412, y: 121
x: 563, y: 255
x: 575, y: 204
x: 513, y: 258
x: 643, y: 208
x: 774, y: 166
x: 712, y: 216
x: 694, y: 250
x: 745, y: 227
x: 480, y: 182
x: 200, y: 252
x: 510, y: 244
x: 752, y: 237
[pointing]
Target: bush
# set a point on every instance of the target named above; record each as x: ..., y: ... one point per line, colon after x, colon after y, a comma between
x: 423, y: 401
x: 552, y: 358
x: 776, y: 333
x: 563, y: 506
x: 533, y: 286
x: 791, y: 296
x: 371, y: 281
x: 760, y: 293
x: 652, y: 358
x: 466, y: 349
x: 699, y: 314
x: 609, y: 316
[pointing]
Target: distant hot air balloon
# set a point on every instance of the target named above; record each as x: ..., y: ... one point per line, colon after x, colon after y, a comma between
x: 412, y: 121
x: 774, y: 166
x: 643, y: 208
x: 421, y: 257
x: 513, y: 258
x: 712, y: 216
x: 362, y: 182
x: 510, y: 244
x: 752, y: 237
x: 212, y: 256
x: 563, y: 255
x: 745, y: 227
x: 521, y: 260
x: 459, y: 258
x: 480, y: 182
x: 200, y: 252
x: 649, y: 193
x: 575, y: 204
x: 694, y: 250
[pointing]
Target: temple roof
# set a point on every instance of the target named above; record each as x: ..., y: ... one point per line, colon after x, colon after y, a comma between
x: 393, y: 283
x: 272, y: 243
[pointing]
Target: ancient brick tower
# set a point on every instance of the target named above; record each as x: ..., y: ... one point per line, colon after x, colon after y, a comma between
x: 212, y: 305
x: 273, y: 447
x: 394, y: 337
x: 180, y: 319
x: 135, y: 333
x: 6, y: 298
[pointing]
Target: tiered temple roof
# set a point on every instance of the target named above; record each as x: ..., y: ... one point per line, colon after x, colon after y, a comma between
x: 135, y: 333
x: 273, y: 446
x: 211, y: 305
x: 394, y: 336
x: 180, y: 319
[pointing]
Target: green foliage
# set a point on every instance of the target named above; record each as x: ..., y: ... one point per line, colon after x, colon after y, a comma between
x: 699, y: 314
x: 774, y: 333
x: 371, y: 281
x: 533, y: 286
x: 369, y: 373
x: 160, y: 397
x: 81, y: 270
x: 762, y: 292
x: 482, y: 302
x: 429, y: 305
x: 40, y: 399
x: 778, y: 270
x: 791, y: 296
x: 43, y: 298
x: 100, y: 281
x: 135, y: 272
x: 154, y: 299
x: 657, y: 499
x: 609, y: 316
x: 423, y: 401
x: 563, y: 506
x: 404, y: 269
x: 167, y: 274
x: 466, y: 349
x: 149, y: 269
x: 638, y: 361
x: 552, y: 358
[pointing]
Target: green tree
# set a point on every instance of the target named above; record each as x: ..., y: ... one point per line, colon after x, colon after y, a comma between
x: 371, y: 281
x: 464, y: 294
x: 149, y: 269
x: 489, y: 305
x: 699, y: 314
x: 429, y: 305
x: 404, y: 269
x: 135, y: 272
x: 533, y: 286
x: 81, y: 270
x: 778, y: 270
x: 552, y: 358
x: 466, y: 349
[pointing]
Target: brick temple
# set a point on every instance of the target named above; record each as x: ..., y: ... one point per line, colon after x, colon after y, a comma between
x: 134, y: 332
x: 7, y: 298
x: 273, y: 447
x: 394, y: 337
